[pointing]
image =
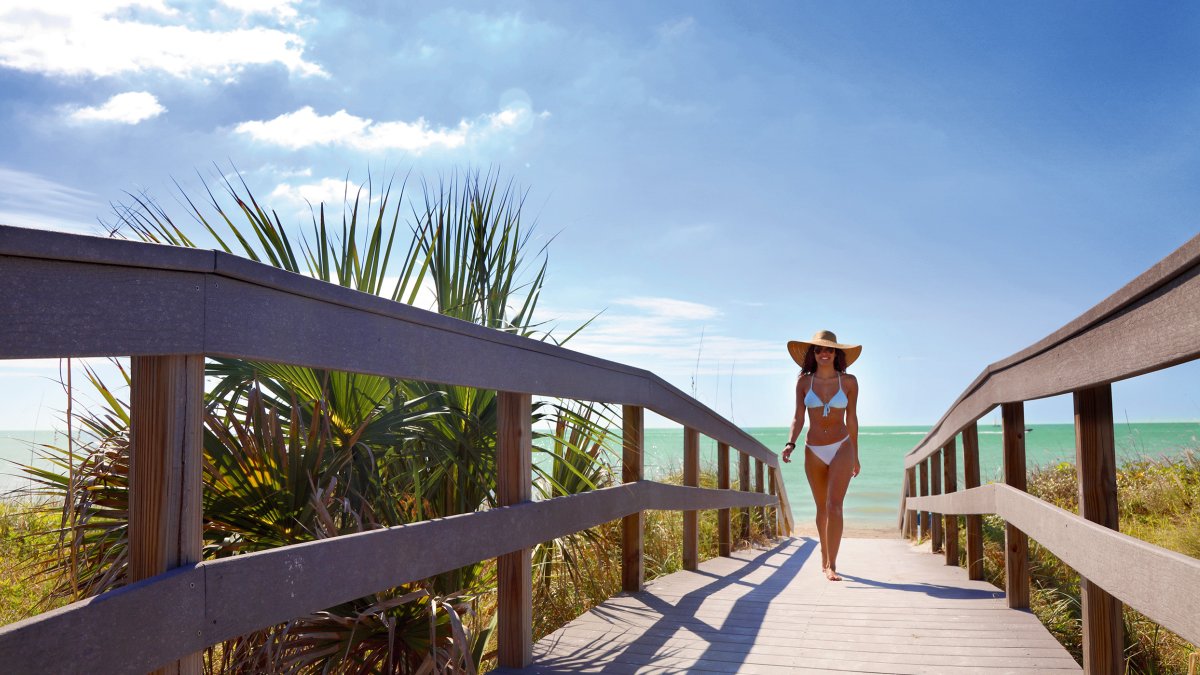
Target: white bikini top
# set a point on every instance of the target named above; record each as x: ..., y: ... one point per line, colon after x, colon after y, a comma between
x: 839, y: 400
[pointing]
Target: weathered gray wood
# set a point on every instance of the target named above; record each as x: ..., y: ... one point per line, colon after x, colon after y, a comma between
x: 633, y: 429
x: 1016, y: 544
x: 980, y: 500
x: 924, y: 518
x: 165, y: 475
x: 724, y: 538
x: 1096, y: 466
x: 691, y: 478
x: 744, y: 486
x: 758, y: 487
x: 951, y: 476
x: 935, y: 488
x: 1156, y: 311
x: 970, y: 438
x: 514, y: 485
x: 910, y: 490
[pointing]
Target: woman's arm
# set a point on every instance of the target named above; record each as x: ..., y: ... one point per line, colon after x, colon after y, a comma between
x: 797, y: 421
x: 852, y: 420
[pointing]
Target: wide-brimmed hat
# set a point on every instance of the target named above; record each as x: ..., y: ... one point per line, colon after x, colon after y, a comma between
x: 824, y: 338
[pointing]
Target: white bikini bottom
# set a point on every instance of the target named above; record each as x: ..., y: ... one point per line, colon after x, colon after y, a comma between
x: 826, y: 453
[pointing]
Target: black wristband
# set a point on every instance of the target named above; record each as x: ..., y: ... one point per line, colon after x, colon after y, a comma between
x: 789, y: 445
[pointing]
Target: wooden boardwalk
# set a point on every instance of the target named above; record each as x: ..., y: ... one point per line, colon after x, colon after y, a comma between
x: 899, y: 610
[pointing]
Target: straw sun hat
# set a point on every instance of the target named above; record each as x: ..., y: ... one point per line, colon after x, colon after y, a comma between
x: 823, y: 338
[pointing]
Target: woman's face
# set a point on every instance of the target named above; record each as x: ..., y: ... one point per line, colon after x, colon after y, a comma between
x: 824, y: 354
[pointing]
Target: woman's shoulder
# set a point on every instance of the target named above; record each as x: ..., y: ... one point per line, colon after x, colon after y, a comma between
x: 850, y: 379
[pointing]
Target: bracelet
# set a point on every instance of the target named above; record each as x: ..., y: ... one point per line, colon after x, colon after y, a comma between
x: 789, y: 445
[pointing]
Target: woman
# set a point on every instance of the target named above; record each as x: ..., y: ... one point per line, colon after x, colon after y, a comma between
x: 830, y: 397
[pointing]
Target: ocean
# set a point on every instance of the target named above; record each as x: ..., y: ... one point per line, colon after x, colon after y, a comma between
x: 874, y: 496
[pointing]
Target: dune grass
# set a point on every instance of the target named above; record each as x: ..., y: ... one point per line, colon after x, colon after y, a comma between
x: 1158, y: 502
x: 24, y: 533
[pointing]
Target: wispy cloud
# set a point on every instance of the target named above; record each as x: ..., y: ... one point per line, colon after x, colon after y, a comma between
x: 307, y: 128
x: 30, y: 200
x: 130, y: 107
x: 101, y: 38
x: 676, y: 28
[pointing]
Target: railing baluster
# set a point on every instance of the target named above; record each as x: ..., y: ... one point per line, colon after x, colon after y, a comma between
x: 1016, y: 544
x: 935, y: 488
x: 691, y: 477
x: 633, y: 435
x: 758, y: 487
x: 772, y: 511
x: 910, y: 515
x: 950, y: 462
x: 724, y: 544
x: 514, y: 484
x: 744, y: 486
x: 166, y: 409
x: 925, y: 517
x: 1095, y: 462
x: 970, y: 436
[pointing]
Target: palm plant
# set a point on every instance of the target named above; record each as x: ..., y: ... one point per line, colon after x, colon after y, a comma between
x: 294, y: 453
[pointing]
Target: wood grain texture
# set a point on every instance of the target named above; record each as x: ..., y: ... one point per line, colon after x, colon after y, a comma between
x: 744, y: 486
x: 924, y: 518
x: 514, y: 485
x: 1016, y: 545
x: 633, y: 434
x: 1149, y: 324
x: 974, y: 523
x: 724, y: 538
x: 950, y: 462
x: 1096, y: 467
x: 165, y: 475
x: 910, y: 524
x: 935, y: 488
x: 691, y: 478
x: 758, y: 487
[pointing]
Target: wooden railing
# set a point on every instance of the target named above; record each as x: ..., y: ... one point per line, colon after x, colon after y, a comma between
x: 1150, y: 324
x: 168, y: 308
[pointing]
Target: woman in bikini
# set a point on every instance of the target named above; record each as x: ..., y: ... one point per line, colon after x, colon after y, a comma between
x: 830, y: 397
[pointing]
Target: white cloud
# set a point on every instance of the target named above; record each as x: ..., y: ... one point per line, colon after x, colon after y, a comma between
x: 306, y: 128
x: 671, y: 308
x: 326, y: 190
x: 29, y: 200
x: 677, y: 28
x: 284, y: 10
x: 130, y: 107
x: 109, y: 37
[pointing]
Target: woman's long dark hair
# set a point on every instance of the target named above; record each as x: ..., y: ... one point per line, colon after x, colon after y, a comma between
x: 810, y: 361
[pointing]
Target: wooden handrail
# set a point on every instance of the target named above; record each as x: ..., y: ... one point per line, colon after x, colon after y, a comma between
x: 1130, y: 569
x: 76, y: 296
x: 1157, y: 312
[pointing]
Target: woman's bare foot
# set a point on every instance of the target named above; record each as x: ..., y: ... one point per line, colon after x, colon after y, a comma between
x: 832, y: 575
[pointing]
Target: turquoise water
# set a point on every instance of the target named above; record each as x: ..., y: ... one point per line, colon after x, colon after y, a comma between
x: 874, y: 496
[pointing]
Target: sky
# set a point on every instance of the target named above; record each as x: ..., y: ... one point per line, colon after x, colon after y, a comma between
x: 944, y: 183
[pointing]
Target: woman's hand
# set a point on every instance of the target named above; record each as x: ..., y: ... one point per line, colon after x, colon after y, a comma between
x: 787, y: 452
x: 857, y: 468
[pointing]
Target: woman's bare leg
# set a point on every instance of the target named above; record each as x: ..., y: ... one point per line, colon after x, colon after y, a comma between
x: 818, y: 479
x: 840, y: 470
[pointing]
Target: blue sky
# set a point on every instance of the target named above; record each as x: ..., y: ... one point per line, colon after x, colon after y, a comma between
x: 944, y: 183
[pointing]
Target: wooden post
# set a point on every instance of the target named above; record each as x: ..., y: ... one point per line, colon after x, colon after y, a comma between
x: 744, y: 486
x: 1096, y: 465
x: 910, y: 515
x: 970, y: 436
x: 935, y: 488
x: 772, y: 511
x: 924, y: 515
x: 166, y: 408
x: 758, y: 487
x: 1016, y: 544
x: 514, y: 484
x: 951, y: 464
x: 691, y: 477
x: 724, y: 543
x: 632, y: 526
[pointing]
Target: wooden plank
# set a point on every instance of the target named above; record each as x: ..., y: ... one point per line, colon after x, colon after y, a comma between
x: 1096, y: 466
x: 633, y: 429
x: 924, y: 518
x: 1090, y: 350
x: 935, y: 488
x: 951, y: 478
x: 970, y: 437
x: 514, y: 485
x: 758, y: 487
x: 910, y: 523
x: 691, y: 478
x: 1016, y: 545
x: 744, y: 486
x: 724, y: 541
x: 772, y: 513
x: 165, y: 476
x: 980, y: 500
